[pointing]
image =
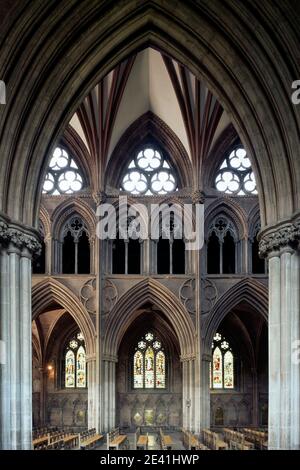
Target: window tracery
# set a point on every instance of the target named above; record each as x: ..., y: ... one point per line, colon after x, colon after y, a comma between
x: 149, y: 174
x: 149, y: 364
x: 63, y: 176
x: 235, y: 175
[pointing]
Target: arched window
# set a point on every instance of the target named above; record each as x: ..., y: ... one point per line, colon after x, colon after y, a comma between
x: 39, y: 263
x: 221, y: 371
x: 149, y: 364
x: 235, y: 175
x: 258, y: 264
x: 75, y: 362
x: 63, y: 176
x: 170, y: 246
x: 221, y: 247
x: 149, y: 173
x: 126, y: 248
x: 75, y: 247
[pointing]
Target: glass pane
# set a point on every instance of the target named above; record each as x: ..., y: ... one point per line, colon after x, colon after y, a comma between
x: 81, y: 368
x: 70, y: 370
x: 217, y: 369
x: 149, y: 368
x: 160, y: 370
x: 138, y: 370
x: 228, y: 370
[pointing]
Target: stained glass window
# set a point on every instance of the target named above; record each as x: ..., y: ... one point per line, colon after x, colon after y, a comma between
x: 160, y: 369
x: 221, y: 371
x: 81, y: 368
x: 70, y: 369
x: 63, y: 176
x: 235, y: 175
x: 149, y: 363
x: 149, y: 368
x: 228, y: 370
x: 75, y: 362
x: 148, y: 174
x: 217, y: 369
x: 138, y: 370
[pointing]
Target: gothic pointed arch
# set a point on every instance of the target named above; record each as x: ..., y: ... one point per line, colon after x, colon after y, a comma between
x: 45, y: 220
x: 232, y: 210
x: 147, y: 128
x: 73, y: 207
x: 126, y: 310
x: 249, y: 291
x: 50, y: 291
x: 267, y: 126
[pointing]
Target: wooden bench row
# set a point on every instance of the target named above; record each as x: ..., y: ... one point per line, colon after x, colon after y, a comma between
x: 117, y: 441
x: 191, y: 442
x: 88, y: 439
x: 213, y: 441
x: 236, y: 440
x: 258, y: 437
x: 166, y: 441
x: 141, y: 440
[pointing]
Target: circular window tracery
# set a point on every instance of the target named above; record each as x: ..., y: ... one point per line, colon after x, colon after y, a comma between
x: 235, y: 175
x: 149, y: 174
x: 63, y: 175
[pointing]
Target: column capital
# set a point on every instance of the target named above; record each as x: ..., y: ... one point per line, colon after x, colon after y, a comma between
x: 206, y: 357
x: 21, y: 237
x: 280, y: 238
x: 109, y: 358
x: 187, y: 358
x: 99, y: 197
x: 198, y: 196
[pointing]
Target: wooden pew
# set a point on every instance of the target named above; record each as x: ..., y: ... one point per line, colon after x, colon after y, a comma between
x: 117, y: 441
x: 213, y: 441
x: 141, y: 441
x: 39, y: 441
x: 88, y: 439
x: 191, y: 442
x: 236, y: 440
x: 258, y: 437
x: 166, y: 441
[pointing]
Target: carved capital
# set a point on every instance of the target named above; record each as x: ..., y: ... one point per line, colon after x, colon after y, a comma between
x: 99, y: 197
x: 187, y: 358
x: 19, y: 237
x: 281, y: 237
x: 198, y: 197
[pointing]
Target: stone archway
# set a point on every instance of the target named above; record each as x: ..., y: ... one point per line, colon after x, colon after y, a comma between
x: 212, y: 41
x: 111, y: 35
x: 125, y: 312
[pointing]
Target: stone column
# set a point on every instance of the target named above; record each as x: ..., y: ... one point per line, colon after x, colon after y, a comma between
x: 281, y: 245
x: 17, y: 245
x: 48, y: 253
x: 188, y: 393
x: 109, y: 393
x: 205, y: 391
x: 92, y: 392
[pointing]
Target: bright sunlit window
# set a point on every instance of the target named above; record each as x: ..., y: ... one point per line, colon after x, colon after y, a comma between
x: 63, y: 175
x: 235, y: 175
x: 149, y: 174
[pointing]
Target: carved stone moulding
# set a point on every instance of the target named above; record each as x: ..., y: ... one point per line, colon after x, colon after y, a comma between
x: 281, y: 237
x: 187, y: 295
x: 88, y: 295
x: 20, y: 237
x: 209, y: 295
